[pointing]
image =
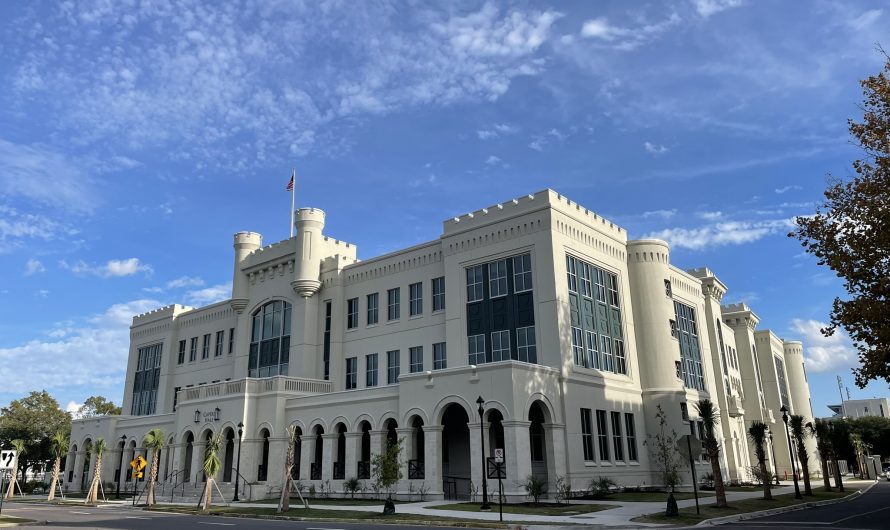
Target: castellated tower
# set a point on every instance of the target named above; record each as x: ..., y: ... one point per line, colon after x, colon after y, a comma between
x: 800, y: 390
x: 309, y: 223
x: 245, y: 244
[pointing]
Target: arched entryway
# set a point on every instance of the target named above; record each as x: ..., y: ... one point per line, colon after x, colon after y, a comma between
x: 131, y: 454
x: 392, y: 436
x: 315, y: 467
x: 340, y: 461
x: 263, y: 469
x: 364, y: 460
x: 538, y: 416
x: 298, y: 453
x: 168, y: 459
x: 495, y: 431
x: 208, y: 435
x: 186, y: 470
x: 455, y: 452
x: 229, y: 454
x: 416, y: 450
x: 85, y: 469
x: 69, y: 463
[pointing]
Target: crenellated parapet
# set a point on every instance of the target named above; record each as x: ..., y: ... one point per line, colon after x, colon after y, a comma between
x: 712, y: 287
x: 738, y: 315
x: 245, y: 244
x: 309, y: 223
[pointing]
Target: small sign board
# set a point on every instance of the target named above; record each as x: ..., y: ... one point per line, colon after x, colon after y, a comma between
x: 7, y: 458
x: 138, y: 463
x: 499, y: 456
x: 496, y: 470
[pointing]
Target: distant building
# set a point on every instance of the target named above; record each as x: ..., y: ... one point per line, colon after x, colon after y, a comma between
x: 857, y: 408
x: 572, y: 335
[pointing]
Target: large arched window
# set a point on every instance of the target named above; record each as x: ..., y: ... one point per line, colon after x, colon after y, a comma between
x: 270, y: 340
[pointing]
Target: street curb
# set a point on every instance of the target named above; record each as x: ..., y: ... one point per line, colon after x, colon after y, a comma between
x: 26, y: 523
x: 784, y: 509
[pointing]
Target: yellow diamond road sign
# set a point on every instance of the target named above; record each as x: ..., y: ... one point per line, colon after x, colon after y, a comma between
x: 138, y: 463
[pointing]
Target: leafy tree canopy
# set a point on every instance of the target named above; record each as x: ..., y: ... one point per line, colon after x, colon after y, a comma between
x: 34, y: 419
x: 850, y: 234
x: 97, y: 406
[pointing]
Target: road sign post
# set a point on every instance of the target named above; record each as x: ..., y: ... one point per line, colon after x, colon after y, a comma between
x: 138, y: 464
x: 7, y: 460
x: 690, y: 440
x: 497, y: 468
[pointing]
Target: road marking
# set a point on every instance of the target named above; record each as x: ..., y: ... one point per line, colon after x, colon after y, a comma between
x: 134, y: 517
x: 220, y: 524
x: 860, y: 515
x: 82, y: 513
x: 310, y: 528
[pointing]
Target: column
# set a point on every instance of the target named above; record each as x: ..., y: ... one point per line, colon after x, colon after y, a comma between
x: 277, y: 456
x: 517, y: 453
x: 555, y: 441
x: 196, y: 473
x: 329, y: 443
x: 353, y: 445
x: 406, y: 435
x: 250, y: 459
x: 378, y: 438
x: 432, y: 437
x: 78, y: 470
x: 307, y: 454
x: 476, y: 469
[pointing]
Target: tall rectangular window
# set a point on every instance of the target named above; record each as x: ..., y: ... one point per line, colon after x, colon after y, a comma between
x: 593, y: 356
x: 572, y: 274
x: 218, y: 347
x: 205, y: 346
x: 352, y: 313
x: 351, y: 373
x: 522, y: 273
x: 392, y: 367
x: 373, y: 299
x: 415, y: 299
x: 475, y: 283
x: 193, y: 349
x: 602, y: 434
x: 630, y: 431
x: 500, y: 346
x: 578, y: 348
x: 371, y: 370
x: 326, y: 344
x: 783, y: 385
x: 497, y: 278
x: 415, y: 359
x: 587, y: 434
x: 440, y: 360
x: 438, y: 286
x: 617, y: 443
x: 145, y: 380
x: 231, y: 340
x: 392, y: 304
x: 526, y: 349
x: 595, y: 309
x: 690, y: 356
x: 181, y: 357
x: 476, y: 348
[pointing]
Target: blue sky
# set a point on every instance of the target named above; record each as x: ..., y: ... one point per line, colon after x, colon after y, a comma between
x: 136, y: 137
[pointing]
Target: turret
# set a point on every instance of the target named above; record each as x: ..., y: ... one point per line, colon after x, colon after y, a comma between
x: 245, y: 244
x: 309, y: 223
x: 797, y: 379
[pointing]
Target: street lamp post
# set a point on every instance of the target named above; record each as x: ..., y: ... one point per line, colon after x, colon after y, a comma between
x: 120, y: 467
x: 784, y: 411
x: 485, y: 506
x: 772, y: 449
x: 238, y: 463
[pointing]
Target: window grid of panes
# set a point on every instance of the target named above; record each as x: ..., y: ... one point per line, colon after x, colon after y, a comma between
x: 522, y: 273
x: 630, y: 432
x: 500, y: 346
x: 351, y: 373
x: 372, y: 316
x: 526, y: 348
x: 603, y: 348
x: 476, y: 348
x: 690, y: 356
x: 352, y: 313
x: 193, y: 349
x: 205, y: 347
x: 392, y: 367
x: 783, y: 385
x: 415, y: 299
x: 438, y: 288
x: 497, y: 278
x: 269, y: 352
x: 587, y: 434
x: 415, y: 359
x: 180, y: 358
x: 371, y: 370
x: 392, y: 304
x: 440, y: 360
x: 220, y: 339
x: 475, y: 283
x: 617, y: 443
x: 602, y: 434
x: 146, y: 379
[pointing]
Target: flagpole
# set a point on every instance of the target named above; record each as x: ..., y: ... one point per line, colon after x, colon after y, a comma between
x: 293, y: 188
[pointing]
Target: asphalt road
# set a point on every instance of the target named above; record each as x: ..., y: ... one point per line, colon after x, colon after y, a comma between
x: 870, y: 511
x: 115, y: 517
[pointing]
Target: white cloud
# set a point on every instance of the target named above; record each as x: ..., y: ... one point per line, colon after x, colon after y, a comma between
x: 185, y: 281
x: 785, y: 189
x: 72, y: 408
x: 492, y: 160
x: 866, y: 19
x: 824, y: 354
x: 721, y: 234
x: 33, y: 266
x: 208, y: 295
x: 16, y: 228
x: 114, y: 268
x: 497, y: 130
x: 661, y: 214
x: 623, y: 38
x: 93, y: 353
x: 706, y: 8
x: 710, y: 216
x: 655, y: 149
x: 485, y: 33
x: 45, y: 176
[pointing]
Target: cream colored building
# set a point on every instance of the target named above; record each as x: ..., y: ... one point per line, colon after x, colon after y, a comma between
x: 572, y: 335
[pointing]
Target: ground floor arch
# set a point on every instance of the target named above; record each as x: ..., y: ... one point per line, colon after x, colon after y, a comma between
x: 455, y: 454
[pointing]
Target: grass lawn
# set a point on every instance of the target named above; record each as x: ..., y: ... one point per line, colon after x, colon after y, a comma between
x: 689, y: 517
x: 313, y: 513
x: 7, y: 519
x: 337, y: 501
x: 652, y: 496
x: 530, y: 509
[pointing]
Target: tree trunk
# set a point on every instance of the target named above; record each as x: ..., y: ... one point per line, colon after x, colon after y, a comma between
x: 826, y: 479
x: 15, y: 471
x: 805, y: 469
x: 838, y: 481
x: 93, y: 494
x: 719, y: 487
x: 55, y: 481
x: 208, y: 493
x: 767, y: 494
x: 152, y: 478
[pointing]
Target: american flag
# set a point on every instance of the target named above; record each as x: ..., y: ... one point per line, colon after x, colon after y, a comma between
x: 290, y: 185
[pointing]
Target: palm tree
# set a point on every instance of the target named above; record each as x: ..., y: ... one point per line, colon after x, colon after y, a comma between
x: 799, y: 432
x: 710, y: 417
x: 59, y: 447
x: 19, y: 446
x: 757, y: 435
x: 823, y: 446
x: 211, y: 467
x: 284, y: 501
x: 154, y: 440
x: 99, y: 447
x: 840, y: 438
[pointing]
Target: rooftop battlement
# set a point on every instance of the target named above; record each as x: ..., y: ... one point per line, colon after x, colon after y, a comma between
x: 168, y: 311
